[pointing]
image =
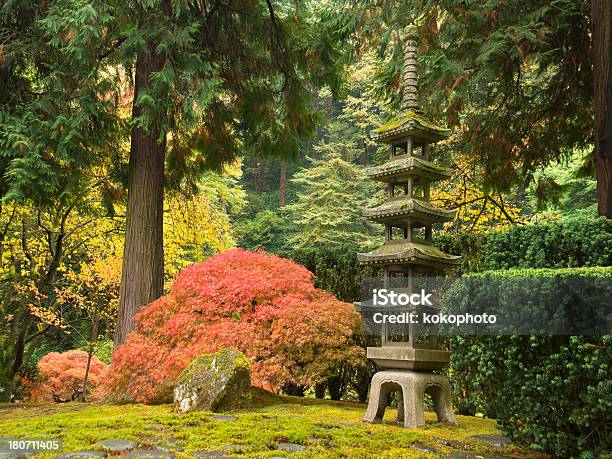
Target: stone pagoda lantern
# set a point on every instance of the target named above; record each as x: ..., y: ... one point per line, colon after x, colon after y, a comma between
x: 408, y: 255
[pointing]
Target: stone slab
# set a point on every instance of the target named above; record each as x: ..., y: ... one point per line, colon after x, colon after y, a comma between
x: 6, y: 454
x: 149, y: 454
x: 423, y: 448
x: 493, y: 439
x: 291, y: 447
x: 117, y: 445
x: 208, y: 453
x: 224, y: 418
x: 83, y: 454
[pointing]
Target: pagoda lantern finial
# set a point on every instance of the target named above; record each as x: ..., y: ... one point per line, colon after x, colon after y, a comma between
x: 409, y: 78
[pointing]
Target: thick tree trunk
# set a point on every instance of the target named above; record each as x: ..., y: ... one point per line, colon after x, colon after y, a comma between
x: 282, y: 185
x: 142, y: 279
x: 602, y: 98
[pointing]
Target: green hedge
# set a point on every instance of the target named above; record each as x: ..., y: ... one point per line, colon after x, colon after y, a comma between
x: 566, y: 243
x: 553, y: 393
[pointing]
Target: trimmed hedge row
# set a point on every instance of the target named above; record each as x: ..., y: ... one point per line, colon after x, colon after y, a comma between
x: 553, y: 393
x: 567, y: 243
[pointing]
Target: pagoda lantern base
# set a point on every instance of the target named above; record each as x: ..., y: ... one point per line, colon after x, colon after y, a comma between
x: 410, y: 387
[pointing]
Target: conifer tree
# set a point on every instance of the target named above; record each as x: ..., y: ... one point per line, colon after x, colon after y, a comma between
x: 328, y: 209
x: 212, y: 81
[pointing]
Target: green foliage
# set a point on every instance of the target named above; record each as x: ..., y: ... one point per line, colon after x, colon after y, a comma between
x: 267, y: 231
x: 550, y: 392
x: 335, y: 268
x: 566, y: 188
x: 328, y: 208
x: 565, y: 243
x: 513, y: 79
x: 469, y: 246
x: 58, y: 111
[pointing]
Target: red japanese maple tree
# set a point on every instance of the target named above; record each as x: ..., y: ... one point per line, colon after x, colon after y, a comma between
x: 261, y: 304
x: 61, y: 374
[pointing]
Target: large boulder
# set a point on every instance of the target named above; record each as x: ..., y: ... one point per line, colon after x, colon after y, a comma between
x: 214, y: 382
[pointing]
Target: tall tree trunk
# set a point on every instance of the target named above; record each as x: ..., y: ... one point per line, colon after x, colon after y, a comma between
x: 142, y: 278
x: 282, y: 185
x: 602, y: 98
x: 261, y: 177
x: 311, y: 151
x: 363, y: 157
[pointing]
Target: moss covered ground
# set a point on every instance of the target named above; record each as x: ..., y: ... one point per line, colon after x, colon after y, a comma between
x: 327, y: 429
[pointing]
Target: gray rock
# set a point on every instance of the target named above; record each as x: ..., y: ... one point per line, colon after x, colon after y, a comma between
x: 291, y: 447
x: 170, y: 448
x: 85, y: 454
x: 493, y: 439
x: 12, y: 454
x: 117, y: 445
x: 452, y: 444
x: 474, y: 455
x: 206, y: 454
x: 224, y: 418
x: 214, y: 382
x: 424, y: 449
x: 149, y: 454
x: 8, y: 453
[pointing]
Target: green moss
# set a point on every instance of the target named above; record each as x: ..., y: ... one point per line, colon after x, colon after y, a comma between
x: 406, y: 203
x: 417, y: 167
x: 403, y: 247
x: 220, y: 381
x: 403, y: 119
x: 328, y: 429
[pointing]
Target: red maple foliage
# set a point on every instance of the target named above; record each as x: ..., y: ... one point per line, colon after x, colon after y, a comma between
x: 261, y: 304
x: 60, y: 376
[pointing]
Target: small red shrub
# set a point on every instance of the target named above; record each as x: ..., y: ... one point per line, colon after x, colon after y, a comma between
x: 62, y: 374
x: 261, y: 304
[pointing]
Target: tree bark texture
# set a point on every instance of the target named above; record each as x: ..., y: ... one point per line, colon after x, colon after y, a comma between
x: 602, y: 99
x: 142, y: 278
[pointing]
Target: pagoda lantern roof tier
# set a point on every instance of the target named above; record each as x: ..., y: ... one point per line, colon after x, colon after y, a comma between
x: 398, y: 208
x: 400, y: 356
x: 402, y: 252
x: 410, y: 124
x: 405, y: 166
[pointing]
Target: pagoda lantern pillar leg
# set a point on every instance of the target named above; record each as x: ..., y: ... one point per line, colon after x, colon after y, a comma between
x: 412, y: 385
